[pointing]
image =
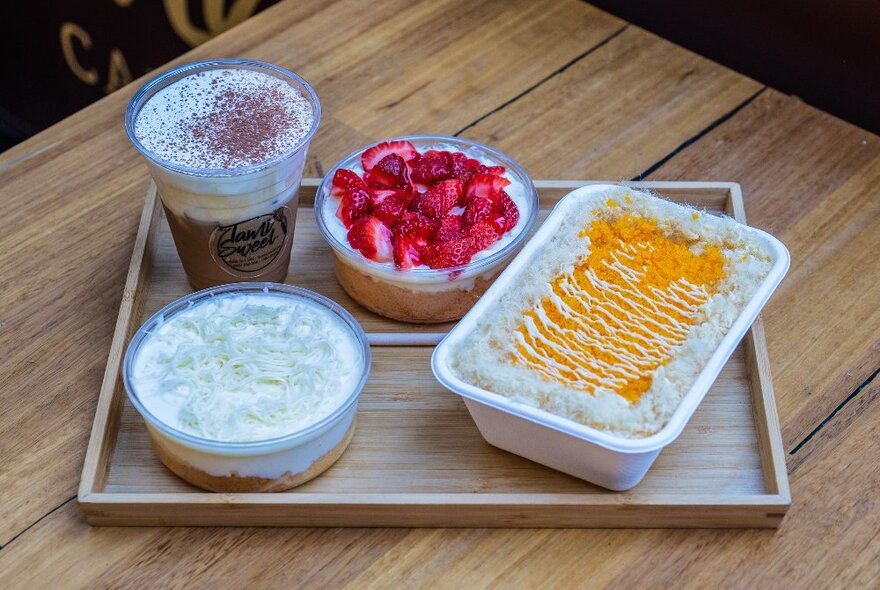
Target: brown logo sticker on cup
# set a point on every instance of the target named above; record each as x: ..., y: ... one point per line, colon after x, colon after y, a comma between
x: 252, y: 245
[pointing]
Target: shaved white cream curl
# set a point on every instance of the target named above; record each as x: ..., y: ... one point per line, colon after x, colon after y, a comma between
x: 251, y: 367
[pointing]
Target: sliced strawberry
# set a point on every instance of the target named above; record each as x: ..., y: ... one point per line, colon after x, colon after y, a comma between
x: 484, y: 185
x: 482, y: 235
x: 390, y: 172
x: 459, y: 165
x: 497, y: 221
x: 354, y: 205
x: 509, y: 210
x: 452, y: 253
x: 408, y: 252
x: 432, y: 166
x: 440, y: 198
x: 377, y: 195
x: 392, y: 207
x: 372, y: 238
x: 411, y: 214
x: 343, y: 180
x: 413, y: 225
x: 479, y: 208
x: 381, y: 179
x: 497, y: 170
x: 394, y: 165
x: 465, y: 168
x: 373, y: 155
x: 451, y: 227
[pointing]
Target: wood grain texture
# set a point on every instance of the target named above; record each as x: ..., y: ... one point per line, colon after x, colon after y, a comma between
x: 801, y: 170
x: 629, y: 101
x: 796, y: 556
x: 812, y: 181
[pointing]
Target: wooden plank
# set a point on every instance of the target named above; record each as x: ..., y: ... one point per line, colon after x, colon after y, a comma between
x: 797, y: 555
x: 789, y: 157
x: 769, y: 439
x: 809, y: 179
x: 103, y: 435
x: 616, y: 113
x: 72, y: 195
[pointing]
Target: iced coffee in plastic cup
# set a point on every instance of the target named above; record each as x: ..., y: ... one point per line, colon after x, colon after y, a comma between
x: 226, y: 142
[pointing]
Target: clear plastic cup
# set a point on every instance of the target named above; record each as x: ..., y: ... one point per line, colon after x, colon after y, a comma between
x: 229, y: 224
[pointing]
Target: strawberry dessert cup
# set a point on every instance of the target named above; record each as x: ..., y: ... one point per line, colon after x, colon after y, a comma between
x: 420, y: 226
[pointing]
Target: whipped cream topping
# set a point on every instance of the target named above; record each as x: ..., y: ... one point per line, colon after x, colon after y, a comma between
x: 224, y: 118
x: 247, y: 367
x: 515, y: 189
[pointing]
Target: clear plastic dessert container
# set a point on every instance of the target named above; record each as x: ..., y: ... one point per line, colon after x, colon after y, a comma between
x: 423, y: 295
x: 200, y: 203
x: 270, y: 465
x: 600, y: 457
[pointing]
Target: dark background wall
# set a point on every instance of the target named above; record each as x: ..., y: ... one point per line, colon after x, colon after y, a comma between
x: 827, y: 52
x: 61, y: 55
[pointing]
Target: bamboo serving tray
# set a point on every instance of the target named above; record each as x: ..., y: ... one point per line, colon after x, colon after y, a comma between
x: 416, y: 458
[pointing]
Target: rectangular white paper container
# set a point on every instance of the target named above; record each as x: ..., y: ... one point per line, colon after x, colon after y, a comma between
x: 611, y: 461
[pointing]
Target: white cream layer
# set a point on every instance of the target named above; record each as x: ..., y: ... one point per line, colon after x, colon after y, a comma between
x: 247, y: 367
x: 177, y: 122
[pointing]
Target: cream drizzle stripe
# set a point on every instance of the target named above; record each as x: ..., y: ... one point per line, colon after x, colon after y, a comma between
x: 635, y: 329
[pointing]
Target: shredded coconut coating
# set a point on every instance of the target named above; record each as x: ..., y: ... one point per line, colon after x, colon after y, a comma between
x: 618, y: 314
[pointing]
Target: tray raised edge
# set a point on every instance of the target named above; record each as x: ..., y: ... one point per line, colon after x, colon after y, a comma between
x: 433, y: 510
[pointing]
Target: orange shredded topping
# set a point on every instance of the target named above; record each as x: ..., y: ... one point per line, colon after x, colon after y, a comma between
x: 621, y: 312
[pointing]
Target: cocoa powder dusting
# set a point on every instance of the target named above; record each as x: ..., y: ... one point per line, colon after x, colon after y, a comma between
x: 224, y: 119
x: 245, y: 127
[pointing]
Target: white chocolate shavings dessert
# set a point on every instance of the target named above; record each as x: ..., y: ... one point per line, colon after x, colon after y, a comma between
x: 247, y: 367
x: 618, y: 313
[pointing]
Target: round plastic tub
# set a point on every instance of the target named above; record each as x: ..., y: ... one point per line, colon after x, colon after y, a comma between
x: 253, y: 466
x: 424, y: 295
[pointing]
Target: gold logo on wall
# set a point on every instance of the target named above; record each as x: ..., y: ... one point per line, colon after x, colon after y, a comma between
x: 216, y: 19
x: 76, y: 42
x: 69, y: 33
x: 118, y: 74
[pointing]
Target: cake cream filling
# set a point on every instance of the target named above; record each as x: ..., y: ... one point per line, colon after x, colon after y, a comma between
x: 224, y: 200
x: 501, y: 353
x: 271, y: 465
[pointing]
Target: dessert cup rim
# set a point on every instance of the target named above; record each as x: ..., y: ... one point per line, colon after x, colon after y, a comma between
x: 255, y: 447
x: 142, y: 96
x: 441, y: 274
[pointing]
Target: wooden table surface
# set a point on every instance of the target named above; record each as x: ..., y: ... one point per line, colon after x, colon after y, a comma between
x: 569, y: 92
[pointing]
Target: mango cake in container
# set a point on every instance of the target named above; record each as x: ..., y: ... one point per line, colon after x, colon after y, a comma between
x: 610, y: 325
